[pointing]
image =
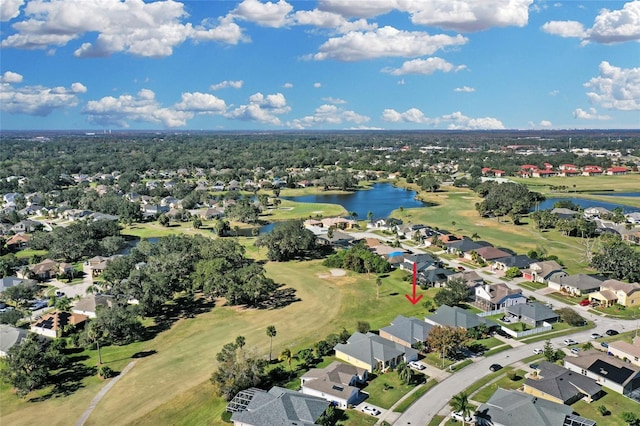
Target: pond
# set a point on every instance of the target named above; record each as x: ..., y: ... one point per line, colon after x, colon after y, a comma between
x: 380, y: 200
x: 585, y: 204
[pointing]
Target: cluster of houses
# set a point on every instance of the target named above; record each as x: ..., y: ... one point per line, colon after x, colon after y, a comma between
x: 564, y: 170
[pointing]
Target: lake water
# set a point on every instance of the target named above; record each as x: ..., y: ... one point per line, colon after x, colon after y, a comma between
x: 381, y: 200
x: 585, y: 204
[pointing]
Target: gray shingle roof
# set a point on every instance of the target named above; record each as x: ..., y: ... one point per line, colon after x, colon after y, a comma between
x: 581, y: 281
x: 371, y: 348
x: 534, y: 310
x: 457, y: 317
x: 507, y: 407
x: 409, y: 329
x: 562, y: 383
x: 281, y: 406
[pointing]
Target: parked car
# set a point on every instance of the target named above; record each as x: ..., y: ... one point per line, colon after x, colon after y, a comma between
x: 372, y: 411
x: 585, y: 302
x: 611, y: 333
x: 595, y: 335
x: 457, y: 415
x: 570, y: 342
x: 534, y: 366
x: 416, y: 365
x: 461, y: 268
x: 537, y: 351
x: 575, y: 350
x: 495, y: 367
x: 604, y: 344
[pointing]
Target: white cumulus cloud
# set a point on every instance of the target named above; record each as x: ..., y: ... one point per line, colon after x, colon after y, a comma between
x: 615, y: 88
x: 610, y: 26
x: 335, y: 101
x: 564, y: 28
x: 591, y: 114
x: 145, y: 29
x: 268, y: 14
x: 202, y: 103
x: 10, y: 9
x: 424, y: 67
x: 545, y: 123
x: 384, y: 42
x: 141, y: 107
x: 464, y: 89
x: 235, y: 84
x: 35, y: 100
x: 287, y: 85
x: 263, y: 109
x: 454, y: 121
x: 328, y: 115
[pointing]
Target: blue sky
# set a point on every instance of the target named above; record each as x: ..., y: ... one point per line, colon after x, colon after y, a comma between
x: 326, y: 64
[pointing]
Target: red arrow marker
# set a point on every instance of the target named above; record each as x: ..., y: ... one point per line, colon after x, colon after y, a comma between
x: 413, y: 299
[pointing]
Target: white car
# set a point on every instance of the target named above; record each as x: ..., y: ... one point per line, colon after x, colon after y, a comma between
x: 537, y: 351
x: 416, y: 365
x: 596, y: 335
x: 457, y: 415
x: 569, y: 342
x: 372, y: 411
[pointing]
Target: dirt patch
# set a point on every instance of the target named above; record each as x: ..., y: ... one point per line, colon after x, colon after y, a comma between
x: 324, y: 275
x: 338, y: 272
x: 317, y: 212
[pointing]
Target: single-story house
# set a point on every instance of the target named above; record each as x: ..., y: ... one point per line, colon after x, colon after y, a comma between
x: 434, y: 276
x: 541, y: 272
x: 421, y: 260
x: 337, y: 383
x: 519, y: 261
x: 49, y: 268
x: 53, y: 324
x: 26, y: 226
x: 577, y: 285
x: 338, y: 239
x: 563, y: 213
x: 558, y: 384
x: 17, y: 241
x: 406, y: 331
x: 373, y: 352
x: 458, y: 317
x: 472, y: 278
x: 278, y: 406
x: 534, y: 314
x: 89, y: 304
x: 464, y: 245
x: 497, y: 296
x: 487, y: 254
x: 212, y: 213
x: 510, y: 407
x: 626, y: 351
x: 614, y: 291
x: 7, y: 282
x: 608, y: 371
x: 596, y: 212
x: 10, y: 336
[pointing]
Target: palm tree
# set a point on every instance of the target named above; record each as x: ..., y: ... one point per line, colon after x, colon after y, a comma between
x: 404, y: 373
x: 370, y: 216
x: 240, y: 342
x: 286, y: 356
x: 271, y: 332
x: 378, y: 285
x: 475, y: 236
x: 95, y: 333
x: 460, y: 403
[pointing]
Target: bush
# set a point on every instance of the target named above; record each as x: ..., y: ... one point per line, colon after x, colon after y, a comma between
x: 106, y: 372
x: 603, y: 410
x: 513, y: 376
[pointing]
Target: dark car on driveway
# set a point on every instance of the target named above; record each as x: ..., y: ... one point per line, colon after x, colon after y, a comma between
x: 611, y: 332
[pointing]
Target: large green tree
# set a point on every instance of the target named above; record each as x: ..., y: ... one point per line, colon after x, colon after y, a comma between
x: 454, y: 293
x: 288, y: 240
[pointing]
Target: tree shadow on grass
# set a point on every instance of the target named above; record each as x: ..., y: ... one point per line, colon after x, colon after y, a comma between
x: 280, y: 298
x: 67, y: 381
x: 183, y: 307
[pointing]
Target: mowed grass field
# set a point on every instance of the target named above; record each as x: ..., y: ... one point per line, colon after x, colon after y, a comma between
x: 457, y: 205
x: 171, y: 386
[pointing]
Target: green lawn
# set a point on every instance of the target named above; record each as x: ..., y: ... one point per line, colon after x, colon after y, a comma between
x: 618, y: 311
x: 615, y: 403
x: 185, y: 353
x: 422, y: 389
x: 436, y: 420
x: 475, y: 386
x: 386, y: 389
x: 288, y: 210
x: 533, y: 286
x: 505, y: 382
x: 569, y: 300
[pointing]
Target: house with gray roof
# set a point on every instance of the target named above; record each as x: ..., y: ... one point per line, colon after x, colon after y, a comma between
x: 464, y: 245
x: 541, y: 272
x: 558, y: 384
x: 337, y: 383
x: 519, y: 261
x: 278, y: 406
x: 471, y: 278
x: 534, y: 314
x: 10, y: 336
x: 510, y: 407
x: 497, y: 296
x: 577, y: 285
x: 406, y: 331
x: 90, y: 304
x: 372, y: 352
x: 454, y: 316
x: 563, y: 213
x: 608, y: 371
x: 8, y: 282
